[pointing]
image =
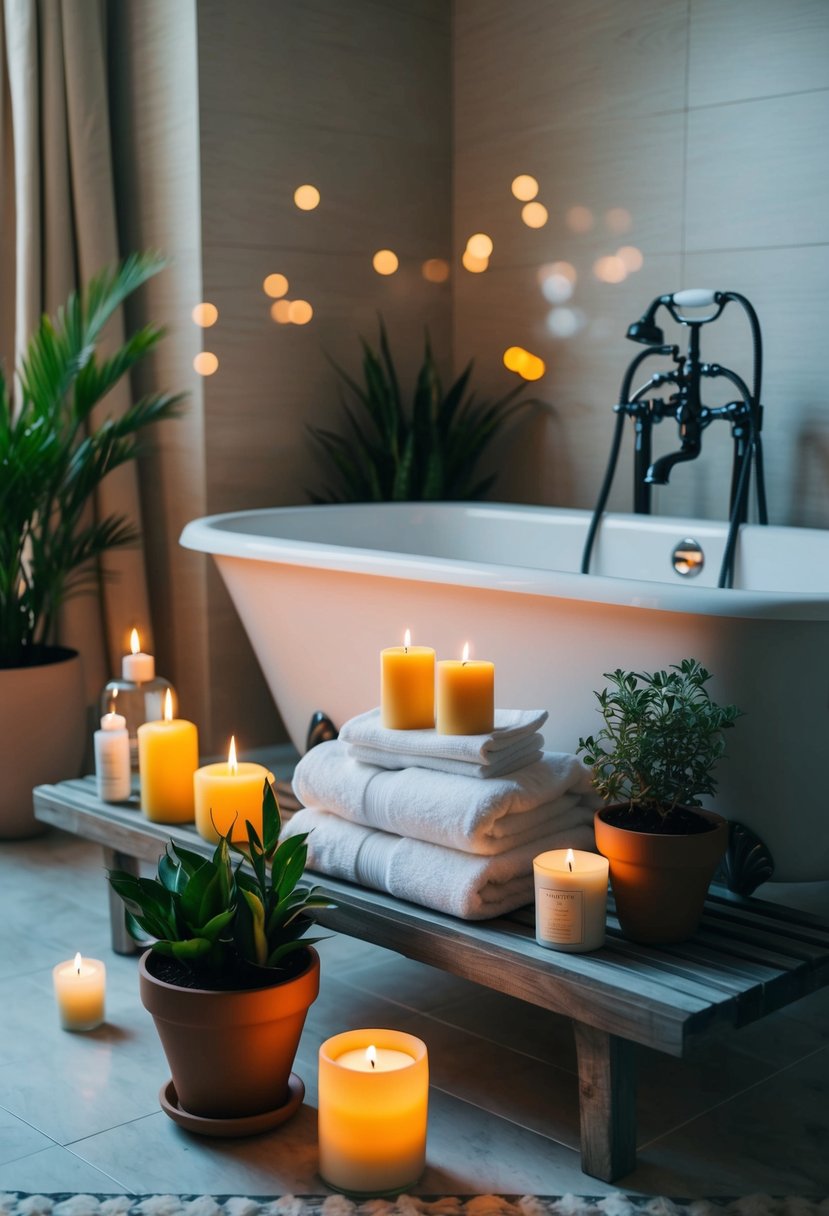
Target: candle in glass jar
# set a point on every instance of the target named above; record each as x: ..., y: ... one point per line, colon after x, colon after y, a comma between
x: 168, y: 756
x: 80, y: 989
x: 407, y: 686
x: 570, y: 900
x: 465, y: 696
x: 373, y: 1100
x: 229, y: 795
x: 137, y: 666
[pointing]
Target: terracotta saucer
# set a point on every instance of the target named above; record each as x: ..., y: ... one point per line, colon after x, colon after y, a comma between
x: 249, y: 1125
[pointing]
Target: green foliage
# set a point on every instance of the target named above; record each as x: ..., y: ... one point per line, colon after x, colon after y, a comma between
x: 661, y: 739
x: 222, y: 919
x: 53, y: 455
x: 428, y: 452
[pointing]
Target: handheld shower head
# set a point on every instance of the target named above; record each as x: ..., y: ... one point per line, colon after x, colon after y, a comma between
x: 645, y: 330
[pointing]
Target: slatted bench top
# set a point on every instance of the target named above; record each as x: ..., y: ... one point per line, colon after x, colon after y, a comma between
x: 748, y: 958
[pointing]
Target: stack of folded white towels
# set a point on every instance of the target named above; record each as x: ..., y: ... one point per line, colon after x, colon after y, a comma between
x: 448, y: 821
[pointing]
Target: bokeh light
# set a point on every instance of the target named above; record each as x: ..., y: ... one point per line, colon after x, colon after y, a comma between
x: 307, y: 197
x: 534, y: 215
x: 618, y: 219
x: 632, y: 258
x: 205, y: 315
x: 275, y: 285
x: 557, y: 280
x: 385, y: 262
x: 206, y: 363
x: 281, y: 312
x: 435, y: 270
x: 480, y: 245
x: 512, y: 357
x: 579, y: 219
x: 523, y: 363
x: 564, y: 322
x: 472, y: 264
x: 524, y: 187
x: 610, y: 269
x: 300, y: 312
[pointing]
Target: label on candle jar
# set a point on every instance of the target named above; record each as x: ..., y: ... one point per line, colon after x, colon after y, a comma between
x: 560, y: 915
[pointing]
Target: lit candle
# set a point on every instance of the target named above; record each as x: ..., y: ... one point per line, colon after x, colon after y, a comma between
x: 80, y: 988
x: 465, y: 696
x: 228, y: 792
x: 168, y: 756
x: 112, y: 758
x: 137, y: 666
x: 407, y: 686
x: 570, y: 900
x: 373, y: 1101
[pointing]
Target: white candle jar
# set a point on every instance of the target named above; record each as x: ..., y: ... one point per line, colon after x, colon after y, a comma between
x: 570, y: 900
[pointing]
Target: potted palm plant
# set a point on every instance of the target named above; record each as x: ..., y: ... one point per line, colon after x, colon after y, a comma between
x: 230, y: 975
x: 655, y: 755
x: 53, y: 455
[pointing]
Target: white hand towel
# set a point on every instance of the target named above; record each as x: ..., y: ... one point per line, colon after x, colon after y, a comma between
x: 463, y: 813
x: 513, y: 728
x: 462, y: 884
x: 526, y: 751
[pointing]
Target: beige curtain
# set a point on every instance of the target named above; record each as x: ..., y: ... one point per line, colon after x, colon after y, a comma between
x: 61, y: 220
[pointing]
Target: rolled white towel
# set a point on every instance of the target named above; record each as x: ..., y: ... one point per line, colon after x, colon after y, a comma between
x: 504, y: 749
x: 462, y: 884
x: 484, y: 817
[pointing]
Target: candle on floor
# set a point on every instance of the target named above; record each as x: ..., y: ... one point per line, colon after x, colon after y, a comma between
x: 168, y: 756
x: 465, y: 696
x: 570, y: 900
x: 137, y: 666
x: 229, y: 793
x: 407, y: 686
x: 80, y: 989
x: 373, y: 1100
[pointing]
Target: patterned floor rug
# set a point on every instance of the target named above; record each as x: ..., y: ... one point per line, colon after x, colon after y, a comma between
x: 17, y: 1203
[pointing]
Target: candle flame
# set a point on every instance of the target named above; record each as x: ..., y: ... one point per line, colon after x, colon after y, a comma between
x: 78, y: 961
x: 465, y: 656
x: 570, y: 859
x: 407, y: 639
x: 168, y: 706
x: 231, y: 755
x: 371, y: 1055
x: 135, y: 642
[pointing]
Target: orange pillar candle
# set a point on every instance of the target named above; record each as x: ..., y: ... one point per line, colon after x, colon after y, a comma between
x: 168, y: 756
x: 229, y: 794
x: 373, y: 1101
x: 570, y: 900
x: 407, y: 686
x: 465, y: 696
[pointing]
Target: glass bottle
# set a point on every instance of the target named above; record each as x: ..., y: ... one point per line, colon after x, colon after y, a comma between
x: 138, y: 695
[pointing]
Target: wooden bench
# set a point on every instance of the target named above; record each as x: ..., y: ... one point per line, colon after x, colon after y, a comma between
x: 748, y: 959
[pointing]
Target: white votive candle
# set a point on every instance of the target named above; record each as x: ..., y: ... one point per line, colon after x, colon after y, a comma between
x: 570, y: 900
x: 80, y: 989
x: 373, y: 1101
x: 137, y: 666
x: 112, y: 759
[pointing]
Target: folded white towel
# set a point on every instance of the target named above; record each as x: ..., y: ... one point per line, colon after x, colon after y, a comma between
x: 460, y: 812
x: 462, y: 884
x: 503, y: 749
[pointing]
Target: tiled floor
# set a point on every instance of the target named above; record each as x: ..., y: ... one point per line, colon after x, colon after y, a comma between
x: 80, y: 1112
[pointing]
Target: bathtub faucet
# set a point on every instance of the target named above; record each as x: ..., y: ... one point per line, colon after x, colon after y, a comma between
x: 686, y: 406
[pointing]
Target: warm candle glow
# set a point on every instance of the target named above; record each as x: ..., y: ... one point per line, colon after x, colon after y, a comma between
x: 77, y: 963
x: 371, y: 1054
x: 465, y: 655
x: 135, y: 642
x: 231, y: 755
x: 407, y: 639
x: 168, y: 706
x: 570, y: 859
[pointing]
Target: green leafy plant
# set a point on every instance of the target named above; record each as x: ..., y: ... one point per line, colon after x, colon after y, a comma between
x: 661, y: 740
x: 53, y: 455
x: 430, y: 451
x: 219, y: 919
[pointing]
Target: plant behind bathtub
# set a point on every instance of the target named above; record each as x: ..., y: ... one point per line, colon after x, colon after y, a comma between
x: 655, y: 755
x: 395, y: 454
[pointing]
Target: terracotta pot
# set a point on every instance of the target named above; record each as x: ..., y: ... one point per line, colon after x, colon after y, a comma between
x: 660, y: 882
x: 230, y: 1053
x: 43, y: 729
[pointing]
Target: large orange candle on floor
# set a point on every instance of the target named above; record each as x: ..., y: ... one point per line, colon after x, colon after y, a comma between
x: 465, y: 696
x: 373, y: 1101
x: 229, y: 794
x: 407, y: 686
x: 168, y: 756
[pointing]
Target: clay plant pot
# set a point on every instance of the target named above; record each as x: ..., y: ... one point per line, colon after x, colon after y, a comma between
x: 230, y: 1053
x: 43, y: 729
x: 660, y: 881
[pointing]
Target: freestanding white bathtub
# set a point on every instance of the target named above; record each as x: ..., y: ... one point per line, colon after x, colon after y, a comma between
x: 321, y: 589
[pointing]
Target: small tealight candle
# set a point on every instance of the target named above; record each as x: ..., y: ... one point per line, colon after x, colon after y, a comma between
x: 407, y: 686
x: 137, y: 666
x: 570, y: 900
x: 373, y: 1103
x: 465, y: 696
x: 168, y: 756
x: 228, y: 794
x: 80, y: 989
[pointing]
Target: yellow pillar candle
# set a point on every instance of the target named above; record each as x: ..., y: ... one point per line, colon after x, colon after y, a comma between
x: 407, y: 686
x: 168, y: 756
x: 229, y: 794
x: 80, y: 990
x: 570, y: 900
x: 465, y: 696
x: 373, y: 1102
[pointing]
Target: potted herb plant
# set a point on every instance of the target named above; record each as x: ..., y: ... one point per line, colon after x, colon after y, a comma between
x: 230, y: 975
x: 651, y: 761
x: 53, y: 455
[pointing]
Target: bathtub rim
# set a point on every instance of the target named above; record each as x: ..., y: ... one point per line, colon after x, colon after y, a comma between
x: 207, y: 535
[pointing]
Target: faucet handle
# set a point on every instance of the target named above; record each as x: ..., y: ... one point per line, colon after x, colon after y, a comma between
x: 695, y: 297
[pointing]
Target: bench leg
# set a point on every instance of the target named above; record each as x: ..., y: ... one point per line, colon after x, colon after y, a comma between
x: 122, y: 942
x: 607, y: 1103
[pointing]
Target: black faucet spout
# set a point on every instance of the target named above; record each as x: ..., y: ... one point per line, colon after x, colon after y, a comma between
x: 660, y: 471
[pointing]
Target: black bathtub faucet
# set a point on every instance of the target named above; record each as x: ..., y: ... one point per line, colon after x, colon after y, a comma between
x: 686, y: 406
